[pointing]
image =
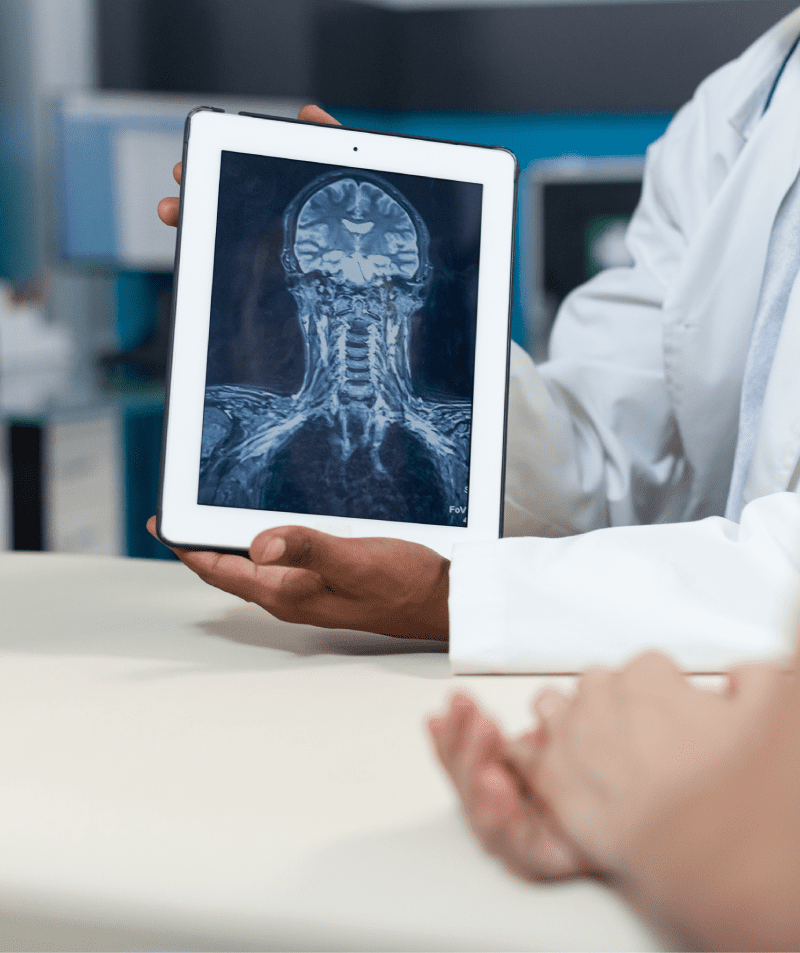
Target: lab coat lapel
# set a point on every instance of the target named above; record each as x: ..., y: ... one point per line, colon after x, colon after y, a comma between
x: 708, y: 316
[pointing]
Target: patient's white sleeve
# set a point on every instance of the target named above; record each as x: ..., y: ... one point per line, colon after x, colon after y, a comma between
x: 710, y: 593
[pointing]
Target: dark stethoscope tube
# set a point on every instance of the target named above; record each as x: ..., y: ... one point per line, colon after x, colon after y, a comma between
x: 780, y: 73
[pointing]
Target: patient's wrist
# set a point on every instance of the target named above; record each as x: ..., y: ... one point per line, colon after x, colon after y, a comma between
x: 720, y: 866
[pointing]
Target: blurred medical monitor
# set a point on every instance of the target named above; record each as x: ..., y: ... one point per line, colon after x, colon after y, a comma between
x: 574, y: 215
x: 114, y: 155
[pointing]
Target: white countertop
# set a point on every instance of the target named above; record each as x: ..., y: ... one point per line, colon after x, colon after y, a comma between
x: 180, y: 770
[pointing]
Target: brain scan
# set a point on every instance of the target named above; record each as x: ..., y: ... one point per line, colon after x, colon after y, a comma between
x: 356, y: 230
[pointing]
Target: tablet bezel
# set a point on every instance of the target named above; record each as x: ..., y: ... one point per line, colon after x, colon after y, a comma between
x: 181, y: 520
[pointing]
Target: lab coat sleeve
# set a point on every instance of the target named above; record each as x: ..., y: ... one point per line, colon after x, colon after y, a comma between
x: 710, y: 593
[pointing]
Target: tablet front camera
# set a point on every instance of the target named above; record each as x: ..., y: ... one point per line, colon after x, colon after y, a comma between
x: 356, y: 258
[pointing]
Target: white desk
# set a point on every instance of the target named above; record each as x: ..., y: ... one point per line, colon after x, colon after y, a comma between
x: 180, y: 771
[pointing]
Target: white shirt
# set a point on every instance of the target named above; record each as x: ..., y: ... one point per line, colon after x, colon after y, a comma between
x: 626, y: 435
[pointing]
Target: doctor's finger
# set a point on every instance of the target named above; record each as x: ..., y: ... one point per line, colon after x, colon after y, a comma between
x: 177, y: 172
x: 169, y: 211
x: 362, y: 566
x: 238, y: 575
x: 315, y: 114
x: 299, y: 546
x: 263, y: 585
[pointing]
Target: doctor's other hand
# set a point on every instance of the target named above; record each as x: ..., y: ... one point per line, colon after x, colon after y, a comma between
x: 387, y: 586
x: 491, y: 775
x: 169, y: 209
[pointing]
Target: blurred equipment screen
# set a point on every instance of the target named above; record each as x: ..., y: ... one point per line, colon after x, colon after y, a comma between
x: 575, y: 213
x: 115, y: 154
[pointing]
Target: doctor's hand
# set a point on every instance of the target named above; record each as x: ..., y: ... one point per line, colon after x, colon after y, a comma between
x: 492, y: 778
x: 628, y: 743
x: 387, y: 586
x: 168, y: 209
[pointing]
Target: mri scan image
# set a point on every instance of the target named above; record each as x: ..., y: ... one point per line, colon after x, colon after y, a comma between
x: 341, y: 347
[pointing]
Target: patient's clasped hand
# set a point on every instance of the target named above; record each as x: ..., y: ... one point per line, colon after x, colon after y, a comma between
x: 671, y: 792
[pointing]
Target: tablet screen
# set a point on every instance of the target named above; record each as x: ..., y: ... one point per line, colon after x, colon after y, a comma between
x: 341, y: 342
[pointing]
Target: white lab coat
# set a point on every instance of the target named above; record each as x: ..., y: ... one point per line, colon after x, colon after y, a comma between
x: 620, y: 447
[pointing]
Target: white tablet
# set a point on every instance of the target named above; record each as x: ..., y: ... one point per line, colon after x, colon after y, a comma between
x: 341, y: 329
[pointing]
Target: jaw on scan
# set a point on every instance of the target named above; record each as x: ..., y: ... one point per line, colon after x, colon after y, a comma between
x: 356, y: 439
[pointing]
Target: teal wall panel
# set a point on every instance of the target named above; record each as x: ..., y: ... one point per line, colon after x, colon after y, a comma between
x: 142, y: 464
